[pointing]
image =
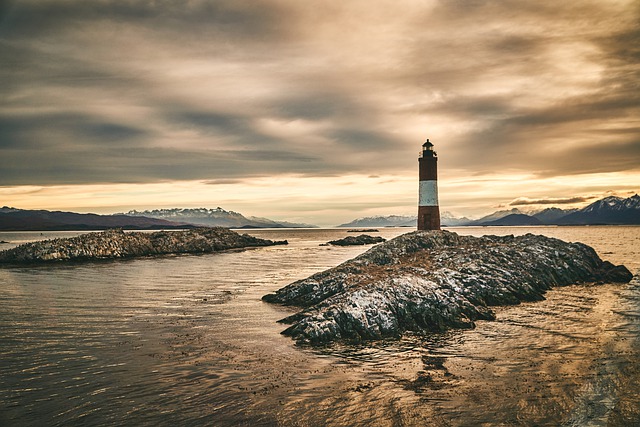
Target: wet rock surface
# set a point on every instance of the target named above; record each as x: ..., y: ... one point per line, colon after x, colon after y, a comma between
x: 430, y: 281
x: 363, y: 239
x: 115, y: 244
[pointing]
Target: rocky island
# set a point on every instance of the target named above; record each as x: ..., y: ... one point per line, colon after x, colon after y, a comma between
x: 429, y: 281
x: 363, y: 239
x: 116, y: 244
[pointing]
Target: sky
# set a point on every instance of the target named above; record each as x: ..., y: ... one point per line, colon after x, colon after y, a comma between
x: 315, y: 111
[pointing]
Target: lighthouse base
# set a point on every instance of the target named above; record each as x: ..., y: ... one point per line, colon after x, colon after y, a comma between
x: 428, y: 218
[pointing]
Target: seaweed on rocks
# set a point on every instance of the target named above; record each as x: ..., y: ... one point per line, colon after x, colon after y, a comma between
x: 115, y: 244
x: 430, y: 281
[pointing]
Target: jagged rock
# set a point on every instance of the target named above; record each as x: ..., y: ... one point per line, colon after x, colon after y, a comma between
x: 116, y: 243
x: 363, y: 239
x: 431, y: 281
x: 610, y: 273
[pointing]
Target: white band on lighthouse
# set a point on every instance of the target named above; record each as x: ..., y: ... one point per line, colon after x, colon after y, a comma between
x: 428, y: 195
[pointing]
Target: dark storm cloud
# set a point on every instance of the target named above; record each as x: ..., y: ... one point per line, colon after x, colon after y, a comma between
x: 143, y: 91
x: 250, y: 19
x: 138, y: 165
x: 207, y: 122
x: 60, y: 129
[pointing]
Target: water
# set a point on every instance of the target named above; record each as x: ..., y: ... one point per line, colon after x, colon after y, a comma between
x: 185, y: 340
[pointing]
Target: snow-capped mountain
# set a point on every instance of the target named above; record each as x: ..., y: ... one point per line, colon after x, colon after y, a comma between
x: 550, y: 215
x: 447, y: 219
x: 610, y: 210
x: 217, y: 217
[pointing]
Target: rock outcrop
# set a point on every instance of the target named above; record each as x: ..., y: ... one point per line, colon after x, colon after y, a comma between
x: 113, y: 244
x: 434, y: 280
x: 363, y: 239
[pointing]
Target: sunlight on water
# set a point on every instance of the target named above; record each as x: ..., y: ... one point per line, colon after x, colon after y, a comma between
x: 186, y: 340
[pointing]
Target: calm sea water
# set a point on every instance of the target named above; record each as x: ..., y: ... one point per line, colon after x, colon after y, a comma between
x: 186, y: 340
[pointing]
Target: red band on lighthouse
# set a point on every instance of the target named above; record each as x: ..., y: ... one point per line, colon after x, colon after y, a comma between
x: 428, y: 209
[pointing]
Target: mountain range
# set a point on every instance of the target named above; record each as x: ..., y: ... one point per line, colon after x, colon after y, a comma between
x: 608, y: 211
x: 12, y: 219
x: 215, y: 218
x: 447, y: 219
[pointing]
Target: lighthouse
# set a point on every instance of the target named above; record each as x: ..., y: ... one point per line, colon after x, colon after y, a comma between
x: 428, y: 209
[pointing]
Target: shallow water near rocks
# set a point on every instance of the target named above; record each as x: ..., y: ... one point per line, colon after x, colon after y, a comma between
x: 186, y: 340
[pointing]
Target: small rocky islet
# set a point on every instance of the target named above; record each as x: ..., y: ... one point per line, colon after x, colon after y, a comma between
x: 430, y: 281
x: 117, y: 244
x: 363, y: 239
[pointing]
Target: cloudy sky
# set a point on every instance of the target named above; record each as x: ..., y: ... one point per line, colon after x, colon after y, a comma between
x: 315, y: 111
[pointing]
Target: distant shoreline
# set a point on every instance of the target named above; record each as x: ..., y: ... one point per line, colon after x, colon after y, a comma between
x: 94, y: 229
